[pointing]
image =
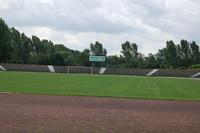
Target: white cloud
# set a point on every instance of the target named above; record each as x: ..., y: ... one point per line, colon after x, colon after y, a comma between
x: 77, y: 23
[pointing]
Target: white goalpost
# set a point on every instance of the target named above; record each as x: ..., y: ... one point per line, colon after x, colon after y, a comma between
x: 80, y: 69
x: 89, y: 70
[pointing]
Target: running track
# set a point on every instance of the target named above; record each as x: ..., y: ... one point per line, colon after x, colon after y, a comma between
x: 57, y: 114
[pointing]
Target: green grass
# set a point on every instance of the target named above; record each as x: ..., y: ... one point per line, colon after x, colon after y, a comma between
x: 98, y: 85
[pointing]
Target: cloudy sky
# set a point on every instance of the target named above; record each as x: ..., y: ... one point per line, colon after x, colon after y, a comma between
x: 77, y: 23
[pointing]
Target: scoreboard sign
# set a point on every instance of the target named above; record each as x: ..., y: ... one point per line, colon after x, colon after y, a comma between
x: 97, y: 58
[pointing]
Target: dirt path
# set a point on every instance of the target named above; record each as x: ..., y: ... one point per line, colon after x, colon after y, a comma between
x: 57, y: 114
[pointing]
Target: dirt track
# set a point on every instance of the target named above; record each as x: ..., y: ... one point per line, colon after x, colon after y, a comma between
x: 39, y: 114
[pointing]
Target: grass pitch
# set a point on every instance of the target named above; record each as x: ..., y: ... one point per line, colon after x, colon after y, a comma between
x: 98, y: 85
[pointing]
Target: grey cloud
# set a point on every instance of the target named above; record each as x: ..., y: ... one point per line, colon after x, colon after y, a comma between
x: 144, y: 21
x: 82, y: 16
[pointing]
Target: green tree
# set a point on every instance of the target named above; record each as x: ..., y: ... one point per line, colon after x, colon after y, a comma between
x: 70, y: 60
x: 171, y: 54
x: 97, y: 49
x: 60, y: 47
x: 84, y: 57
x: 185, y: 53
x: 195, y: 53
x: 151, y: 61
x: 141, y: 62
x: 5, y: 43
x: 42, y: 59
x: 115, y: 61
x: 49, y: 50
x: 58, y: 59
x: 130, y: 53
x: 65, y: 56
x: 25, y: 49
x: 36, y: 45
x: 17, y: 44
x: 161, y: 58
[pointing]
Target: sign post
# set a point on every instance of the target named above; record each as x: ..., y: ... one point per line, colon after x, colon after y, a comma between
x: 93, y: 59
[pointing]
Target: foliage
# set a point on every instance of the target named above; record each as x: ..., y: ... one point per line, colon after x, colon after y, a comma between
x: 197, y: 66
x: 6, y: 48
x: 16, y: 47
x: 97, y: 49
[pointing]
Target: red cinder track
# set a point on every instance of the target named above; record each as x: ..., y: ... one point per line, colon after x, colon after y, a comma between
x: 50, y: 114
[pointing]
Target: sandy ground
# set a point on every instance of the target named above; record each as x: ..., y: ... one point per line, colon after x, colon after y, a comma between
x: 62, y: 114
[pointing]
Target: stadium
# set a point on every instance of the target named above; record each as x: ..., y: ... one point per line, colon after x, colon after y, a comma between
x: 86, y: 107
x: 100, y: 66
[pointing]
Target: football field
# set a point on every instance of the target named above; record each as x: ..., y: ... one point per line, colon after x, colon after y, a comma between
x: 100, y: 85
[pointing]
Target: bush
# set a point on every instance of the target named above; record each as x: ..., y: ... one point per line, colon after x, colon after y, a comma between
x: 182, y: 68
x: 197, y: 66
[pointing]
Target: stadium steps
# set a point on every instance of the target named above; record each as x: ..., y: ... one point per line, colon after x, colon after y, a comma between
x: 51, y: 69
x: 110, y: 71
x: 196, y: 75
x: 60, y: 69
x: 152, y: 72
x: 175, y: 73
x: 2, y: 68
x: 102, y: 70
x: 26, y: 68
x: 125, y: 71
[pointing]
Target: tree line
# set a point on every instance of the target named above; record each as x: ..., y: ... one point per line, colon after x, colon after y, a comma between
x: 183, y: 55
x: 16, y: 47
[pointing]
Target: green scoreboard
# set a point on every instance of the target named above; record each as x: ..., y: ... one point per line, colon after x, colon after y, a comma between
x: 93, y: 58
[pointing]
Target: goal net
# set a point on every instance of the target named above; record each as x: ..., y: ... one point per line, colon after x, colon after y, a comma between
x: 80, y: 69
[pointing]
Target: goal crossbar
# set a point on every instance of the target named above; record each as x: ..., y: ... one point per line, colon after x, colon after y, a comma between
x: 80, y: 69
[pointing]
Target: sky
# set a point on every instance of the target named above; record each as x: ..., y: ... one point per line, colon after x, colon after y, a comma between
x: 77, y: 23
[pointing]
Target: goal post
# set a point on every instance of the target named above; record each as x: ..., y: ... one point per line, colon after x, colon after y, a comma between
x: 80, y: 69
x: 89, y: 70
x: 94, y: 58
